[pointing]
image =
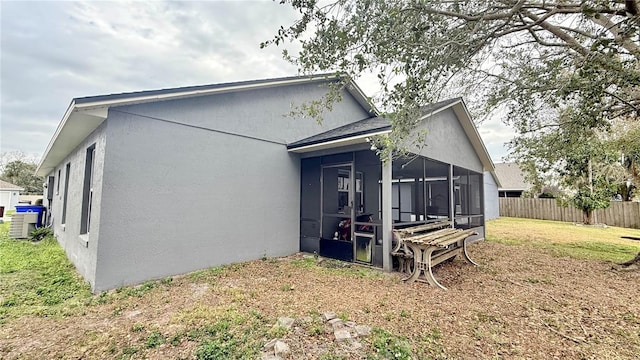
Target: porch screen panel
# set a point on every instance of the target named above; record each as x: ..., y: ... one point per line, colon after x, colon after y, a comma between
x: 469, y: 210
x: 475, y: 199
x: 436, y: 190
x: 408, y: 200
x: 461, y: 197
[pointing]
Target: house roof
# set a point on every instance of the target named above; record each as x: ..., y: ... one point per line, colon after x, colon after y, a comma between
x: 351, y: 133
x: 85, y: 114
x: 9, y: 186
x: 440, y: 105
x: 511, y: 177
x: 358, y: 132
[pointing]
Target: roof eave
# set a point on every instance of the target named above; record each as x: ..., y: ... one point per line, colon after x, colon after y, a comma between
x: 77, y: 123
x: 336, y: 143
x: 96, y: 111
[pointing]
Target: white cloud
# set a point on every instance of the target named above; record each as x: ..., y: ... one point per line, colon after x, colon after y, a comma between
x: 52, y: 52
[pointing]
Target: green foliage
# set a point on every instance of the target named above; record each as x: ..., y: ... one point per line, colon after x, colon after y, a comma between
x: 389, y: 346
x: 22, y: 173
x: 588, y: 201
x: 138, y: 290
x: 40, y: 233
x: 574, y: 156
x: 523, y: 59
x: 226, y: 333
x: 154, y: 340
x: 331, y: 355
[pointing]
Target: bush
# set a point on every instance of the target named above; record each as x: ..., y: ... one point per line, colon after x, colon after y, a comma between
x: 40, y: 233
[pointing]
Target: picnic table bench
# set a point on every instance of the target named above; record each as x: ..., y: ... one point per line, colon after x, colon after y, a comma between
x: 420, y: 248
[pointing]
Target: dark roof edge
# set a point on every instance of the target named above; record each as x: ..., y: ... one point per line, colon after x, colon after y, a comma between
x: 301, y: 143
x: 133, y: 94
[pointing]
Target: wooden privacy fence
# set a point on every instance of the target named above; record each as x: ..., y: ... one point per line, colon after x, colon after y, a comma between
x: 620, y: 213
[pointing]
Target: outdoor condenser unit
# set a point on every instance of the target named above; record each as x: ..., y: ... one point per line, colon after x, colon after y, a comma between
x: 22, y: 224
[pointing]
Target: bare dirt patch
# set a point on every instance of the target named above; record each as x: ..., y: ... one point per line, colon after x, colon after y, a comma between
x: 522, y: 302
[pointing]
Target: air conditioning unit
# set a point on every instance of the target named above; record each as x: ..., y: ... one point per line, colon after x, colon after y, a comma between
x: 22, y: 224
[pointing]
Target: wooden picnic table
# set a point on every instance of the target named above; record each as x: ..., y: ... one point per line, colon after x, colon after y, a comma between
x: 420, y: 248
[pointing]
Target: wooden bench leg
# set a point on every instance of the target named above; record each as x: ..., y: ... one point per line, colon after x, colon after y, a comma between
x: 429, y: 272
x: 466, y: 254
x: 417, y: 268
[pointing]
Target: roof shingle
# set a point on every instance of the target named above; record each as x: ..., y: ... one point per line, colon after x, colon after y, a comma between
x: 511, y: 177
x: 9, y: 186
x: 363, y: 127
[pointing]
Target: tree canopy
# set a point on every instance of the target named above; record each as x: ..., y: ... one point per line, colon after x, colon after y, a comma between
x: 561, y: 72
x: 23, y: 174
x: 534, y: 58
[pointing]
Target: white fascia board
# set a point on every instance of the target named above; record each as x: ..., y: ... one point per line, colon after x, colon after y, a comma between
x: 75, y: 126
x: 337, y: 143
x: 55, y: 136
x: 440, y: 109
x: 359, y: 95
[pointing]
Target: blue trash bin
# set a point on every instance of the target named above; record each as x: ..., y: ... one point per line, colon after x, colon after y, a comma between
x: 32, y: 208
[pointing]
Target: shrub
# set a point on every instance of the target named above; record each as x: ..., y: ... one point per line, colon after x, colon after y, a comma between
x: 40, y: 233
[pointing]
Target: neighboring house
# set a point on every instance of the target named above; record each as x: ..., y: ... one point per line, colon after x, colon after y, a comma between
x: 9, y: 195
x: 491, y: 204
x: 150, y: 184
x: 511, y: 180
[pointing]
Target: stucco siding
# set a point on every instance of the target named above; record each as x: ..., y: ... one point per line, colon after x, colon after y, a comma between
x: 447, y: 141
x: 260, y: 113
x: 491, y: 206
x: 80, y: 249
x: 182, y: 198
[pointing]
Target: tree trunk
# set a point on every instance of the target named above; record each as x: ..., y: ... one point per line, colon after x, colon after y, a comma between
x: 588, y: 217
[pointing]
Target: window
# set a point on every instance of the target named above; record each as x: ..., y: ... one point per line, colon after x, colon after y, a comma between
x: 87, y: 190
x: 59, y: 178
x: 67, y: 173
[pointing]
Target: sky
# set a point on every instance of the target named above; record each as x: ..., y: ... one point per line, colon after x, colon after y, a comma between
x: 54, y: 51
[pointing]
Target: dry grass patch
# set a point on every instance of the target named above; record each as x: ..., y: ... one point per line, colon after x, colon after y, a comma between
x: 523, y: 302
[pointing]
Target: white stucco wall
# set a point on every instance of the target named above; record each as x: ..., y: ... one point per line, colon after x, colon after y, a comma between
x: 9, y: 199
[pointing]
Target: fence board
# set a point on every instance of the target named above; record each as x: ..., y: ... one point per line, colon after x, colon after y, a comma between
x: 622, y: 214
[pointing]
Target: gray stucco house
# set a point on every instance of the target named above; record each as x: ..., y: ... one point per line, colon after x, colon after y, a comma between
x: 149, y: 184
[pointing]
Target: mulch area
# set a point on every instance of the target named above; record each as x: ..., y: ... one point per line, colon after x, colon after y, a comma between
x: 522, y: 302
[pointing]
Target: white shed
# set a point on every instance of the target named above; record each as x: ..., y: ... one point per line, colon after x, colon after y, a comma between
x: 9, y: 195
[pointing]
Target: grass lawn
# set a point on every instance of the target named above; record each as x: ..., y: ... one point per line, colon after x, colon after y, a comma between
x: 543, y: 290
x: 566, y: 239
